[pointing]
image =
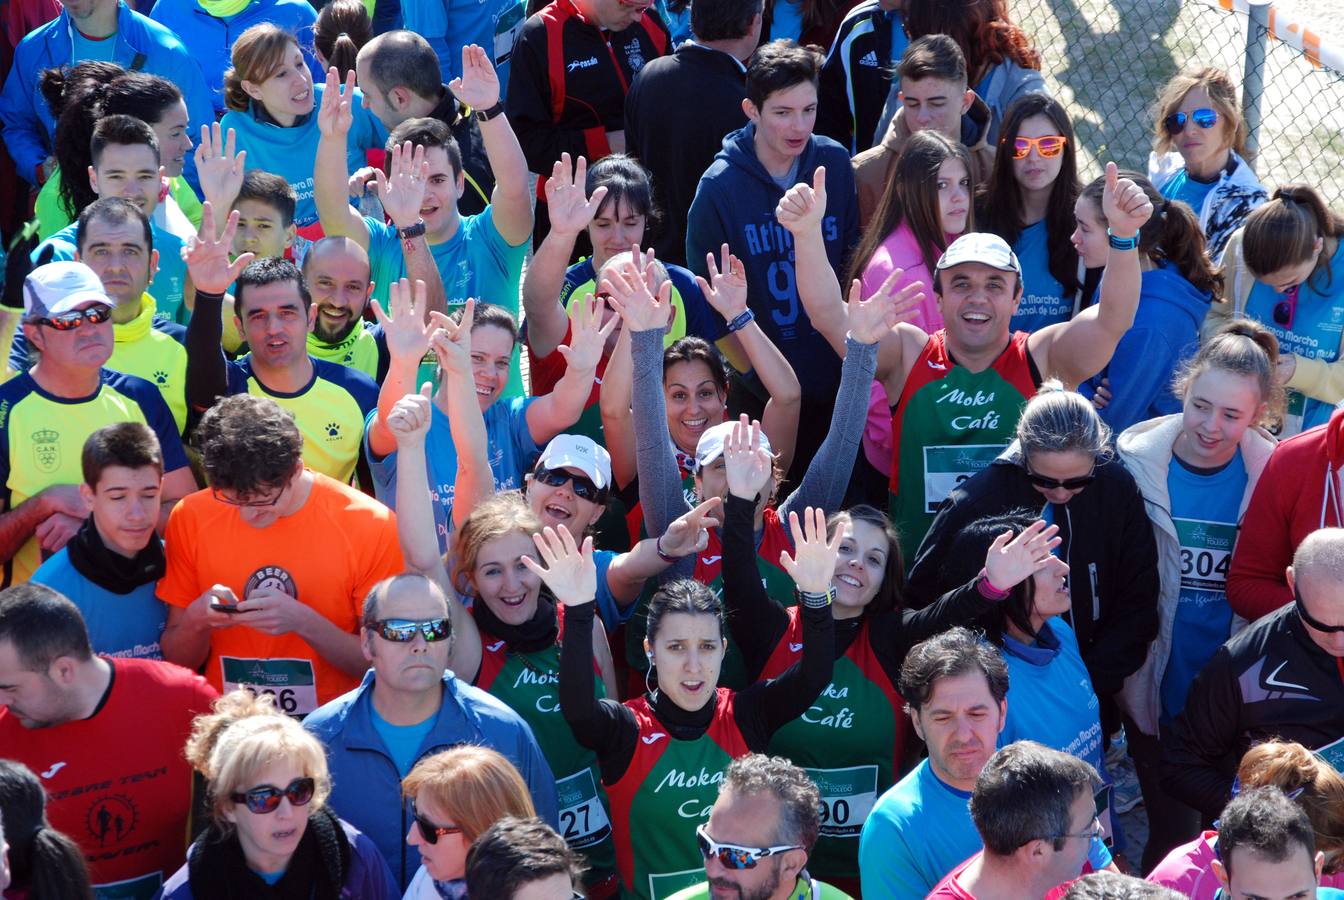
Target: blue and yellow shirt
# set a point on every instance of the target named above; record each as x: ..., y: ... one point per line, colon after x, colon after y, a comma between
x: 329, y: 410
x: 43, y: 437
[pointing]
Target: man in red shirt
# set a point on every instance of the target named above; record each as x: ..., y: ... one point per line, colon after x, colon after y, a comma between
x: 104, y: 735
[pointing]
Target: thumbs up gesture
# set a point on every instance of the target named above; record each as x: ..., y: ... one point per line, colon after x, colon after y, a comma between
x: 409, y: 419
x: 1124, y: 204
x: 803, y: 205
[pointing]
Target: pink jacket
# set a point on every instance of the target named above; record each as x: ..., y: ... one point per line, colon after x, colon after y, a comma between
x: 1188, y: 870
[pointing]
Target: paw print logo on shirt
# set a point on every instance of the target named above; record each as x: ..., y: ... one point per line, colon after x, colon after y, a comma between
x: 333, y: 430
x: 160, y: 378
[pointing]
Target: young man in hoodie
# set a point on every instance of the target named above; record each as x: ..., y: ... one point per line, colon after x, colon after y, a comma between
x: 934, y: 95
x: 735, y: 205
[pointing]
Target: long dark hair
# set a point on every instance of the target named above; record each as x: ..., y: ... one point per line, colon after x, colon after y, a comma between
x: 891, y: 595
x: 1172, y: 234
x: 1000, y: 204
x: 1283, y: 232
x: 43, y: 861
x: 965, y: 558
x: 911, y: 196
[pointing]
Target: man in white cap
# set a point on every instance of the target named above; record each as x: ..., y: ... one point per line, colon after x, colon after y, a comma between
x: 48, y: 412
x: 957, y: 394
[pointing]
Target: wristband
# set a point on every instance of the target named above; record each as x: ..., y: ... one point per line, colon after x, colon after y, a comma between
x: 1122, y: 243
x: 987, y: 588
x: 485, y: 115
x: 209, y: 297
x: 411, y: 232
x: 741, y: 321
x: 658, y: 546
x: 813, y: 600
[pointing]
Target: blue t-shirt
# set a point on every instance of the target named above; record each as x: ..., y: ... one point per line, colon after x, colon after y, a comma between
x: 120, y: 625
x: 403, y: 742
x: 166, y: 288
x: 475, y: 262
x: 1204, y: 508
x: 449, y: 25
x: 787, y: 21
x: 612, y: 615
x: 512, y: 452
x: 1043, y: 300
x: 1188, y: 190
x: 899, y: 39
x: 1316, y: 327
x: 90, y: 50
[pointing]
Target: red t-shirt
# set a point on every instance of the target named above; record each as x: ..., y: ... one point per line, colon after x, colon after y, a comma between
x: 117, y: 782
x: 950, y: 888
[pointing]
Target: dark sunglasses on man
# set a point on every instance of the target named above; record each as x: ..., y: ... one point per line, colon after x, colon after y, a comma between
x: 94, y: 315
x: 1307, y: 617
x: 403, y: 631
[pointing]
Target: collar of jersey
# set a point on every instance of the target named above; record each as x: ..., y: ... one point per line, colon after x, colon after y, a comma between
x: 140, y: 326
x: 333, y: 352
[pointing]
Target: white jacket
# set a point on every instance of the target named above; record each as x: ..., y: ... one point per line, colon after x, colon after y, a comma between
x: 1146, y: 451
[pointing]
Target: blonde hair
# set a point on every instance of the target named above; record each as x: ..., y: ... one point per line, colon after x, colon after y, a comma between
x: 475, y: 786
x: 257, y: 53
x: 496, y: 517
x: 1222, y: 94
x: 243, y: 735
x: 1291, y: 767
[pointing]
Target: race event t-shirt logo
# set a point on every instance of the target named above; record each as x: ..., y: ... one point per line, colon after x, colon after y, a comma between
x: 272, y: 577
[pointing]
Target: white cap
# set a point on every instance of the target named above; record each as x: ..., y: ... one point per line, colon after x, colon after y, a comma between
x: 711, y: 443
x: 574, y: 451
x: 60, y: 287
x: 980, y: 247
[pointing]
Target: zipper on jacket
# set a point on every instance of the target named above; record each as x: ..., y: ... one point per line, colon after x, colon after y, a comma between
x: 1096, y: 600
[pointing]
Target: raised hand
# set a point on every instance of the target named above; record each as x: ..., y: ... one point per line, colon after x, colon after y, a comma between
x: 569, y: 572
x: 451, y: 341
x: 220, y: 166
x: 479, y: 85
x: 870, y: 320
x: 1124, y: 204
x: 1011, y: 561
x: 207, y: 258
x: 812, y: 564
x: 726, y: 289
x: 335, y: 116
x: 587, y: 335
x: 404, y: 325
x: 627, y: 288
x: 747, y: 464
x: 567, y: 202
x: 402, y: 192
x: 689, y: 533
x: 410, y: 416
x: 802, y: 206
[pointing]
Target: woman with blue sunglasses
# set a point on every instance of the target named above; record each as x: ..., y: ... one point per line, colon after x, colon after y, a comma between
x: 271, y: 834
x: 1198, y: 148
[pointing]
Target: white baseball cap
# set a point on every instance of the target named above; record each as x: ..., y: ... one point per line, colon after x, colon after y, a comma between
x: 711, y: 443
x: 60, y: 287
x: 574, y: 451
x: 980, y: 247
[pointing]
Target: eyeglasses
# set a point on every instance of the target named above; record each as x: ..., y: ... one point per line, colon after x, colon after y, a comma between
x: 94, y: 315
x: 1068, y: 484
x: 403, y: 631
x: 1049, y: 146
x: 428, y: 830
x: 1307, y: 617
x: 266, y: 799
x: 247, y: 504
x: 1286, y: 309
x: 1092, y: 833
x: 1203, y: 117
x: 583, y: 488
x: 734, y: 857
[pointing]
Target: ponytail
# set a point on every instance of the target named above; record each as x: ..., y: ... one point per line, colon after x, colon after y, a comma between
x: 235, y: 98
x: 342, y: 28
x: 76, y: 96
x: 1283, y: 232
x: 57, y: 869
x: 43, y: 862
x: 1241, y: 347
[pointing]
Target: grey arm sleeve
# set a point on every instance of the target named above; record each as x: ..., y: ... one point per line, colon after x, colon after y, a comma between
x: 660, y: 490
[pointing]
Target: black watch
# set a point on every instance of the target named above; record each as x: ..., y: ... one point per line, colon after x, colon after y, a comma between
x: 485, y: 115
x: 411, y: 232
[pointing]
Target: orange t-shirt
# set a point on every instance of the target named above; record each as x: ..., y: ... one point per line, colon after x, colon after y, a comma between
x: 328, y: 555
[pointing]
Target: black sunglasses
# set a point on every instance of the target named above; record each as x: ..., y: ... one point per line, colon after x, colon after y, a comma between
x: 1203, y: 117
x: 428, y: 830
x: 583, y: 488
x: 266, y: 799
x: 1068, y: 484
x: 403, y: 631
x: 94, y: 315
x: 1306, y: 616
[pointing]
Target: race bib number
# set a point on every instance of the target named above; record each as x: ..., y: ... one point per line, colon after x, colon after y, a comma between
x: 507, y: 26
x: 1206, y: 554
x: 847, y: 796
x: 1332, y: 753
x: 947, y: 467
x: 667, y: 884
x: 583, y: 818
x: 142, y: 888
x: 1294, y: 415
x: 289, y: 681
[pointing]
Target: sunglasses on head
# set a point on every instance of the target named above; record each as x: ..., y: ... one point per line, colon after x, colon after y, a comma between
x: 734, y: 857
x: 583, y: 488
x: 94, y: 315
x: 403, y: 631
x: 1307, y: 617
x: 1203, y: 117
x: 428, y: 830
x: 266, y: 799
x: 1049, y: 146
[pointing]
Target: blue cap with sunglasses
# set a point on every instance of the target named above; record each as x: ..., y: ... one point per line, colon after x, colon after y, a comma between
x: 61, y: 287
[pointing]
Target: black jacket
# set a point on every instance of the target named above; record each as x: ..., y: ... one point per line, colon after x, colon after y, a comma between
x: 1271, y: 680
x: 1108, y: 544
x: 677, y: 114
x: 856, y: 78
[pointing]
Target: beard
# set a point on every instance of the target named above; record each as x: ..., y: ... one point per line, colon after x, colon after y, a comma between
x: 763, y: 892
x: 327, y: 336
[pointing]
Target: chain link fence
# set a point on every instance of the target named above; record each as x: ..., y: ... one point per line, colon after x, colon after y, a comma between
x: 1106, y: 60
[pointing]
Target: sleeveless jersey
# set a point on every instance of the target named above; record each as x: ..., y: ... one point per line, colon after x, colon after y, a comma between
x: 529, y: 683
x: 959, y: 420
x: 665, y: 794
x: 849, y: 742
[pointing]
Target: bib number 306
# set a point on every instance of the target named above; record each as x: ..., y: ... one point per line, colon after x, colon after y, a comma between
x: 290, y: 682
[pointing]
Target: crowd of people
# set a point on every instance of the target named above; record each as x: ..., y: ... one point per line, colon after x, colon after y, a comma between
x: 654, y: 449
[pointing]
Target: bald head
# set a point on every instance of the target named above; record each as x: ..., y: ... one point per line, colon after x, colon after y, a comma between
x: 399, y: 59
x: 1317, y: 576
x: 337, y: 271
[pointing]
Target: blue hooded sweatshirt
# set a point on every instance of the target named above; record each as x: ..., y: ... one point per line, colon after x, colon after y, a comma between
x: 211, y: 38
x: 289, y: 152
x: 1165, y: 332
x: 28, y: 123
x: 735, y: 204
